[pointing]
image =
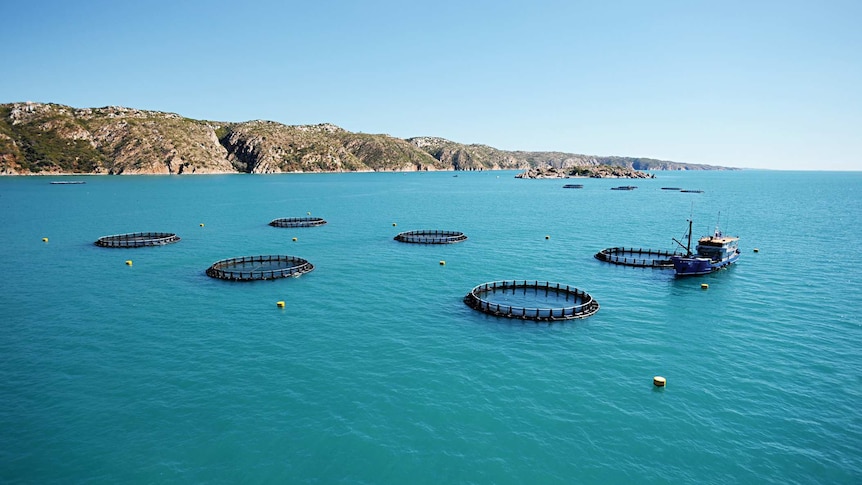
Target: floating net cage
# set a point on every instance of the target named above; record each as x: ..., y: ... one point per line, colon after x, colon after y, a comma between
x: 137, y: 240
x: 568, y: 302
x: 431, y: 237
x: 266, y: 267
x: 638, y: 257
x: 297, y: 222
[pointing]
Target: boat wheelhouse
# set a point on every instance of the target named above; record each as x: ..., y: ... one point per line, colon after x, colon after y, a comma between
x: 712, y: 253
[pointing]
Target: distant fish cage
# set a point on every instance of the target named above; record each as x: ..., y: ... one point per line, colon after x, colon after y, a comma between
x: 266, y: 267
x: 638, y: 257
x: 584, y: 305
x: 137, y: 240
x: 297, y: 222
x: 573, y: 186
x: 431, y: 237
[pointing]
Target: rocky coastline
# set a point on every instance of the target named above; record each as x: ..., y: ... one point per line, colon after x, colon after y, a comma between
x: 597, y: 172
x: 54, y: 139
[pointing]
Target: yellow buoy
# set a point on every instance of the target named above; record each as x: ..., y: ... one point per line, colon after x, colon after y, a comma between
x: 393, y: 224
x: 308, y: 213
x: 442, y: 263
x: 279, y: 304
x: 704, y: 286
x: 128, y: 262
x: 659, y: 381
x: 202, y: 224
x: 547, y: 237
x: 44, y: 239
x: 294, y: 239
x: 756, y: 250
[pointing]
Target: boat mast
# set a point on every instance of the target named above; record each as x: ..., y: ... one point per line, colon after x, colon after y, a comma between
x: 688, y: 246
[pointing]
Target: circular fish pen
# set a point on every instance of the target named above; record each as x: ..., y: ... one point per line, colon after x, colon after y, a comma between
x: 137, y: 240
x: 510, y: 299
x: 297, y: 222
x: 638, y: 257
x: 431, y: 237
x: 252, y: 268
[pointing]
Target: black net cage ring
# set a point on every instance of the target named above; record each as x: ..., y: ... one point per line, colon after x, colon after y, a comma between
x: 254, y: 268
x: 578, y: 304
x: 137, y: 240
x: 297, y: 222
x: 638, y: 257
x: 431, y: 237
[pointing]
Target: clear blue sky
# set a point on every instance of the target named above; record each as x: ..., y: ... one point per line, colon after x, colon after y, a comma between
x: 759, y: 84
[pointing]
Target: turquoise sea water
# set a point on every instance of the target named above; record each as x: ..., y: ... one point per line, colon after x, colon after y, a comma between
x: 376, y: 372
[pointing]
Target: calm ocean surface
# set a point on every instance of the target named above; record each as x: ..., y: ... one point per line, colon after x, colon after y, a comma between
x: 376, y: 372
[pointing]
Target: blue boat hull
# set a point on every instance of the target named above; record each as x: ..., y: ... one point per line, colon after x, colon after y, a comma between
x: 699, y: 266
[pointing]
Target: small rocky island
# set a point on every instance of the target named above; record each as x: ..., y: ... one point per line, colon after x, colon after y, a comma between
x: 596, y: 172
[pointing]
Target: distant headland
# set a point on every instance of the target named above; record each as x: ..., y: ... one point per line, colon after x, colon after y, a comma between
x: 596, y: 172
x: 53, y: 139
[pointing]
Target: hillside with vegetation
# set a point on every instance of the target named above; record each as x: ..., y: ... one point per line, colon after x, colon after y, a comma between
x: 40, y: 138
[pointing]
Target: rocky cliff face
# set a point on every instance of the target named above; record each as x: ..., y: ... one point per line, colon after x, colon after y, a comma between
x: 268, y: 147
x: 49, y: 138
x: 55, y: 139
x: 469, y: 157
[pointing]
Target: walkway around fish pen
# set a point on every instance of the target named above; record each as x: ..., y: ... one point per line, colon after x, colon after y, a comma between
x: 586, y: 307
x: 297, y: 222
x: 137, y: 240
x: 638, y: 257
x: 431, y: 237
x: 265, y: 267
